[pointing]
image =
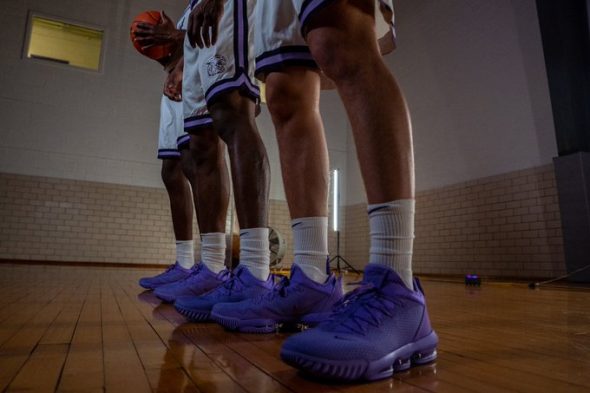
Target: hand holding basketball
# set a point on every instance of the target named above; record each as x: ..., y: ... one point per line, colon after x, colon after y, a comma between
x: 148, y: 34
x: 154, y: 35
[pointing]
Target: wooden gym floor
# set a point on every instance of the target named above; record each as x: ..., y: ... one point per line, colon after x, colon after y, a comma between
x: 89, y: 329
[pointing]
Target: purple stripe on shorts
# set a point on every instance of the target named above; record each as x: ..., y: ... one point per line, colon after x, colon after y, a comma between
x: 183, y: 139
x: 241, y: 38
x: 243, y: 80
x: 309, y: 9
x: 281, y: 57
x: 168, y: 154
x: 191, y: 123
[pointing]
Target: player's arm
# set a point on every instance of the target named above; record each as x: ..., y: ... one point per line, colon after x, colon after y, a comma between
x: 173, y: 84
x: 203, y: 23
x: 165, y: 32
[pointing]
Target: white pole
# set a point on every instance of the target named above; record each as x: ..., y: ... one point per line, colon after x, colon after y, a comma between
x: 336, y: 196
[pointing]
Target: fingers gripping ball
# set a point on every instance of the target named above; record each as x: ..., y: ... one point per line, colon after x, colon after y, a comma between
x: 158, y: 52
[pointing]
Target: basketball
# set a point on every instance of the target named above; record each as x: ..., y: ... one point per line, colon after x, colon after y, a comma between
x: 156, y: 52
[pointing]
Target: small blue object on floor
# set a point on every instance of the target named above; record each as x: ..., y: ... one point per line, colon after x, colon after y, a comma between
x: 472, y: 280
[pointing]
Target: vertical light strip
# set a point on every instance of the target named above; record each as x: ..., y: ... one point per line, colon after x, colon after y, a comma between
x: 335, y: 201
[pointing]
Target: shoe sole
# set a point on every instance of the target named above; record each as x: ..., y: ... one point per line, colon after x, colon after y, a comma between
x: 263, y: 326
x: 413, y: 354
x: 250, y: 326
x: 194, y: 316
x: 164, y: 298
x: 172, y: 298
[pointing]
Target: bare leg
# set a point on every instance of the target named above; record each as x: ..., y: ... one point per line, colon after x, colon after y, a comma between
x: 204, y: 166
x: 293, y: 101
x: 181, y: 207
x: 233, y: 117
x: 342, y: 40
x: 181, y: 204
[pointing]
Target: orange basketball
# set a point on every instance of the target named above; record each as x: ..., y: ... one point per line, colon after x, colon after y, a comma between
x: 156, y: 52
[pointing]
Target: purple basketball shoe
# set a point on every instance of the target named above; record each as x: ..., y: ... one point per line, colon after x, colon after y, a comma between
x: 377, y: 329
x: 174, y: 273
x: 291, y: 302
x: 200, y: 280
x: 242, y: 285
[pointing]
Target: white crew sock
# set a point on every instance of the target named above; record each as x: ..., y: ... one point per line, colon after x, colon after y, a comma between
x: 213, y: 251
x: 392, y: 236
x: 185, y: 253
x: 255, y: 252
x: 310, y: 246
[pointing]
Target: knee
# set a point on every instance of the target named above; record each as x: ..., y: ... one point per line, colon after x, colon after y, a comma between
x: 204, y: 149
x: 227, y: 114
x: 283, y: 102
x: 338, y: 59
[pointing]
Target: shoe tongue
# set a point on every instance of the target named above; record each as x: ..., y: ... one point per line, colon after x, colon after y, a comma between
x: 297, y: 274
x: 381, y: 277
x: 240, y: 270
x: 244, y: 275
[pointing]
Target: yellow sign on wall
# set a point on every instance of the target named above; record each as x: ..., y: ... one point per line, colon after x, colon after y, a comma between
x: 65, y: 43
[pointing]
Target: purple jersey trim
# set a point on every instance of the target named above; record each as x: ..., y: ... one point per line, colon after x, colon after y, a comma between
x: 242, y: 34
x: 242, y: 82
x: 308, y: 7
x: 182, y: 141
x: 197, y: 122
x: 285, y: 56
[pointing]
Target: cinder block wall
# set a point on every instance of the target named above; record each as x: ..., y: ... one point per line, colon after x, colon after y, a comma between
x: 45, y: 218
x: 50, y: 219
x: 507, y: 225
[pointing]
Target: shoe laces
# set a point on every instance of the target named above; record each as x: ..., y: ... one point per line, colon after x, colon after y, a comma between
x: 360, y: 309
x: 168, y: 270
x: 233, y: 283
x: 281, y: 287
x: 194, y: 276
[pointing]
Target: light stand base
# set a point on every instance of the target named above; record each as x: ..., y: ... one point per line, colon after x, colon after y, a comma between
x: 339, y: 258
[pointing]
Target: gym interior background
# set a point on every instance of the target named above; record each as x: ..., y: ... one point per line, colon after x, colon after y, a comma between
x: 80, y: 182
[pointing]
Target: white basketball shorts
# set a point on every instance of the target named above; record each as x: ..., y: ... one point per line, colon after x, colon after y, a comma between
x: 228, y: 65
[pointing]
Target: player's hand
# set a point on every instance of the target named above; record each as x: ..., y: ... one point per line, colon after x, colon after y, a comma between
x: 173, y: 85
x: 387, y: 13
x: 387, y: 42
x: 148, y: 35
x: 203, y: 23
